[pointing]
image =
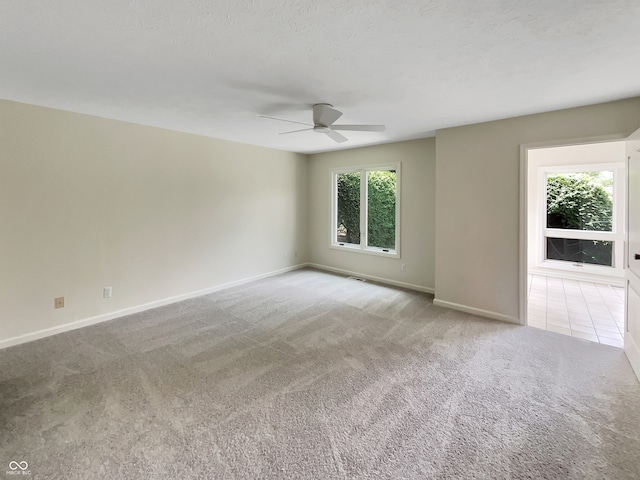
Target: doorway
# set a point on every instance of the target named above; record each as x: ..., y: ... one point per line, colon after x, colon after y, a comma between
x: 575, y: 231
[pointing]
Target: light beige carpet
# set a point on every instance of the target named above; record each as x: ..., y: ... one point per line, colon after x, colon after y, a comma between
x: 311, y: 375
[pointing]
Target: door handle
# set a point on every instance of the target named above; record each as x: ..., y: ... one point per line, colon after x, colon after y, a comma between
x: 636, y: 256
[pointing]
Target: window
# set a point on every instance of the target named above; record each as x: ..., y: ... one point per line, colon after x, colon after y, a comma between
x: 582, y: 216
x: 365, y: 209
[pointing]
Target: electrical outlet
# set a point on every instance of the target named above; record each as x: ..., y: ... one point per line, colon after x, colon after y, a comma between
x: 58, y: 302
x: 107, y: 292
x: 404, y: 267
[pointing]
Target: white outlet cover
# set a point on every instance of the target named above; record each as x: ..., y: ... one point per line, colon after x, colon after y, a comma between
x: 107, y: 292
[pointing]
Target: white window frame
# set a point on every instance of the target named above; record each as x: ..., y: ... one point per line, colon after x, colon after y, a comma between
x: 362, y: 247
x: 617, y: 234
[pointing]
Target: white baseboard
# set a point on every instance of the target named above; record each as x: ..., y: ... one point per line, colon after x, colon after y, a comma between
x: 633, y: 353
x: 47, y: 332
x: 477, y: 311
x: 395, y: 283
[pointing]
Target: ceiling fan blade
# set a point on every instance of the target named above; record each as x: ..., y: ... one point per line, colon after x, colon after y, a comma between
x: 294, y: 131
x: 323, y: 114
x: 336, y: 137
x: 359, y: 128
x: 283, y: 120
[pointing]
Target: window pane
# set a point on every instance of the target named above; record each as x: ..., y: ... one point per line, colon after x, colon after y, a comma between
x: 580, y: 201
x: 596, y: 252
x: 381, y: 209
x: 348, y: 215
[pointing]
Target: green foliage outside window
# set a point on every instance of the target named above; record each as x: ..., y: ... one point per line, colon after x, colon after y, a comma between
x: 381, y: 224
x: 349, y: 206
x: 578, y: 201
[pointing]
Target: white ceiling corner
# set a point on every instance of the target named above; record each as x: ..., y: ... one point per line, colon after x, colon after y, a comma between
x: 212, y: 68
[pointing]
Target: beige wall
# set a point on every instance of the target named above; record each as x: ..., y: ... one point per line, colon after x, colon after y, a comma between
x: 477, y: 199
x: 417, y: 221
x: 87, y: 202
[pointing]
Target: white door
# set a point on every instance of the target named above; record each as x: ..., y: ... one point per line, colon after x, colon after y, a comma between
x: 632, y: 321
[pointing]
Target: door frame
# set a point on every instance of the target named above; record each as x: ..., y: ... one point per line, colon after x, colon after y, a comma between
x: 523, y: 227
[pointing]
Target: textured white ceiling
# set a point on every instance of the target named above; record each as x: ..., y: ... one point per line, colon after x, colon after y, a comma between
x: 212, y: 67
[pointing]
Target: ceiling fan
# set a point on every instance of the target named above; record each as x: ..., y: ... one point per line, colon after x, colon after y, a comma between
x: 323, y: 117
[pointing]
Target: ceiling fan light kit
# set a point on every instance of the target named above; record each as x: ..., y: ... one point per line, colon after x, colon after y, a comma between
x: 324, y: 116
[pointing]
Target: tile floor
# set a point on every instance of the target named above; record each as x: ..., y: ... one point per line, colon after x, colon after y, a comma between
x: 586, y: 310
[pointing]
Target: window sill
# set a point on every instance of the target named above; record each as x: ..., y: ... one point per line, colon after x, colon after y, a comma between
x: 368, y: 250
x: 587, y: 268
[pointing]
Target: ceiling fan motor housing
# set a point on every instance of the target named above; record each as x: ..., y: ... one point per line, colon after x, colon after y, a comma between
x: 324, y: 115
